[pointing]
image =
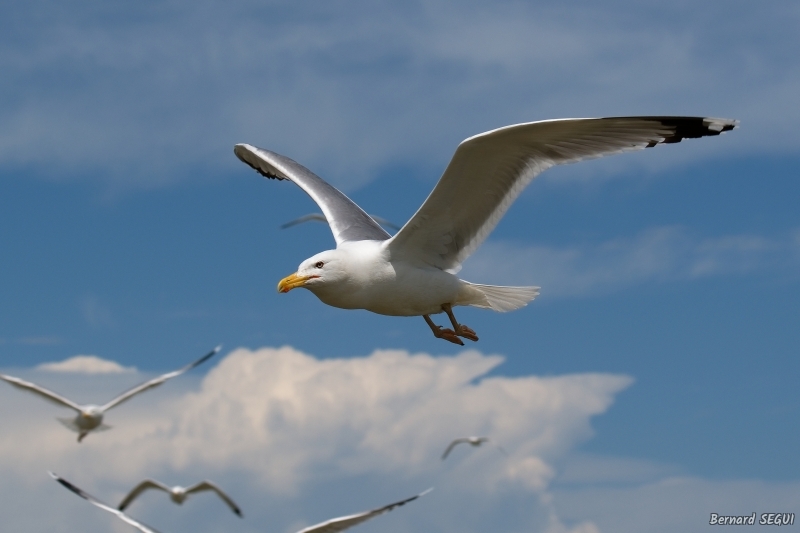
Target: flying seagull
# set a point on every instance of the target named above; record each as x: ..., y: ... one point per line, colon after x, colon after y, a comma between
x: 177, y: 493
x: 413, y: 272
x: 334, y: 525
x: 86, y: 496
x: 319, y: 217
x: 474, y: 441
x: 90, y: 417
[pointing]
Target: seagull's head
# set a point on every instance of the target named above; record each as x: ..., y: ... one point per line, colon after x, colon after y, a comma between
x: 324, y: 269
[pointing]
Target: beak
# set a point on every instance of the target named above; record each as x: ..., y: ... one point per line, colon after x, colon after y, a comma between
x: 292, y: 282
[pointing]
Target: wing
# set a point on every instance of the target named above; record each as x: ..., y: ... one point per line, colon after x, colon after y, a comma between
x: 155, y: 382
x: 207, y: 485
x: 348, y: 221
x: 335, y: 525
x: 86, y: 496
x: 140, y: 488
x: 41, y: 391
x: 452, y: 445
x: 488, y: 172
x: 317, y: 217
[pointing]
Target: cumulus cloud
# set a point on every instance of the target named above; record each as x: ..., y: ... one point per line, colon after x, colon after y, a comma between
x: 657, y: 254
x: 291, y: 428
x: 149, y: 94
x: 86, y: 364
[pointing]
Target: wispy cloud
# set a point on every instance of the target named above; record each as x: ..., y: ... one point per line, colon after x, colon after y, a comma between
x: 655, y: 255
x: 148, y: 95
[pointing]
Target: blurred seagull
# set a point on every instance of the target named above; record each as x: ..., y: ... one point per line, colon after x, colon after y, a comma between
x: 474, y: 441
x: 334, y: 525
x: 413, y: 273
x: 90, y: 417
x: 86, y: 496
x: 319, y: 217
x: 178, y: 494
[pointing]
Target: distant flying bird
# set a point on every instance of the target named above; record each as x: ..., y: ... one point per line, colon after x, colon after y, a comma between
x: 319, y: 217
x: 474, y: 441
x: 334, y: 525
x: 86, y: 496
x: 177, y: 493
x: 413, y: 273
x: 90, y: 417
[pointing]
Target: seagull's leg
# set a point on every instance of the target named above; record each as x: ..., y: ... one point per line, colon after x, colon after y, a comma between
x: 460, y: 329
x: 442, y: 333
x: 81, y: 435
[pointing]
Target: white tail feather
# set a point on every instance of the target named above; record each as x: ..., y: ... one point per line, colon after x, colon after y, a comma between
x: 496, y: 297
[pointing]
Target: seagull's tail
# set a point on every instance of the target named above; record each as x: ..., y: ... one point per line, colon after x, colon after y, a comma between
x: 496, y: 297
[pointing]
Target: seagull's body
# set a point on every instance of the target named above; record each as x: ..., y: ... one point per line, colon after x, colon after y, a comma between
x: 178, y: 494
x: 90, y: 417
x: 413, y: 272
x: 473, y: 441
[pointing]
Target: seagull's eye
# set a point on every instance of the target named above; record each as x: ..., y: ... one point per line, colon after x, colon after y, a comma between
x: 319, y: 264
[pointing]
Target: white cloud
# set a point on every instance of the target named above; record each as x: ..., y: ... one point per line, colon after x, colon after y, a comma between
x: 296, y: 440
x: 86, y: 364
x: 280, y: 425
x: 658, y: 254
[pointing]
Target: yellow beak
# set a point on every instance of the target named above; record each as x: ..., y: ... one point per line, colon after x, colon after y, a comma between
x: 292, y: 282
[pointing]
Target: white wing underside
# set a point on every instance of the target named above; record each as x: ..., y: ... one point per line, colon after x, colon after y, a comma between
x: 41, y: 391
x: 489, y: 171
x: 155, y: 382
x: 335, y: 525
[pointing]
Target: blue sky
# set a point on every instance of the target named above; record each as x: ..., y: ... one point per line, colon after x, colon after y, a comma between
x: 131, y: 232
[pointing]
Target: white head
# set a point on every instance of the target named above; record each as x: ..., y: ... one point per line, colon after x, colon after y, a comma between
x: 325, y: 269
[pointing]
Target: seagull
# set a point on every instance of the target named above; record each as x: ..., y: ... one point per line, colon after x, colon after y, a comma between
x: 178, y: 494
x: 90, y: 416
x: 474, y: 441
x: 86, y: 496
x: 334, y: 525
x: 319, y: 217
x: 413, y: 273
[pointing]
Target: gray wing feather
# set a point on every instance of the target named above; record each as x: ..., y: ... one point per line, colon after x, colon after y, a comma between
x: 86, y: 496
x: 41, y: 391
x: 335, y: 525
x: 348, y: 222
x: 207, y: 485
x: 155, y: 382
x: 488, y: 172
x: 140, y: 488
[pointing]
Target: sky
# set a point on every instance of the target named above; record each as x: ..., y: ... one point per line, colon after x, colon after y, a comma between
x: 651, y: 384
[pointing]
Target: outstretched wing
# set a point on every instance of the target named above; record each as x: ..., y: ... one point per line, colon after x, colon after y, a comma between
x: 155, y: 382
x: 41, y: 391
x: 488, y: 172
x: 452, y: 445
x: 340, y: 524
x: 140, y: 488
x: 348, y: 221
x: 207, y: 485
x: 86, y: 496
